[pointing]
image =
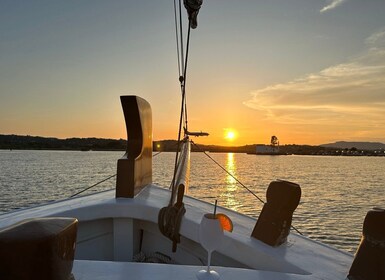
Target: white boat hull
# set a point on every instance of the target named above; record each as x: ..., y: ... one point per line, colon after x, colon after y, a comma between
x: 113, y: 230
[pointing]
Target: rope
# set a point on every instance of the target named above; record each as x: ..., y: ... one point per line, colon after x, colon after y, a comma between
x: 98, y: 183
x: 182, y: 78
x: 170, y: 217
x: 177, y: 38
x: 181, y: 32
x: 232, y: 176
x: 185, y: 74
x: 177, y: 150
x: 156, y: 154
x: 155, y: 257
x: 239, y: 182
x: 293, y: 227
x: 185, y: 111
x: 183, y: 106
x: 169, y: 221
x: 94, y: 185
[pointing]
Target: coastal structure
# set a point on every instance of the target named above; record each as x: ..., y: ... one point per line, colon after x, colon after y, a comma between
x: 272, y: 149
x: 266, y: 150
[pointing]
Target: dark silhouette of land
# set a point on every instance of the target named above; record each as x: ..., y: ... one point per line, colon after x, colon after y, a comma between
x: 358, y: 145
x: 17, y: 142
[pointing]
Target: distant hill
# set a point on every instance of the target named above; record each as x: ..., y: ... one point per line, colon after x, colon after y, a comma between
x: 17, y: 142
x: 358, y: 145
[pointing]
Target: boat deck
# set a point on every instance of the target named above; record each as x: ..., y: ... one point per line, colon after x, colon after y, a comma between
x: 299, y: 258
x: 94, y: 270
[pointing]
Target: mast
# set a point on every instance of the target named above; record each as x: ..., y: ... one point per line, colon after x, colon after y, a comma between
x: 170, y: 217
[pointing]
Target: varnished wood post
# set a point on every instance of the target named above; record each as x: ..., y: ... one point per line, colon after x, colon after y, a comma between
x: 135, y: 167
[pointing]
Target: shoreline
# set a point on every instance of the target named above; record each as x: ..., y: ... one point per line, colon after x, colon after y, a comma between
x: 15, y: 142
x: 212, y: 152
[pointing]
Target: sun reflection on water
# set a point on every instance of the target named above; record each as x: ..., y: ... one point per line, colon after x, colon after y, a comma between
x: 229, y: 193
x: 336, y: 191
x: 231, y: 168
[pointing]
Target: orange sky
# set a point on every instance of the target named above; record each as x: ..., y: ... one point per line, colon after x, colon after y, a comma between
x: 309, y: 72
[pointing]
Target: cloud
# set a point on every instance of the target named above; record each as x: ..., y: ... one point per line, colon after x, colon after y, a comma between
x: 332, y: 4
x: 350, y: 94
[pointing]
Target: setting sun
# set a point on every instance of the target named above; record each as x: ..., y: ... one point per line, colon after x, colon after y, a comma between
x: 230, y: 134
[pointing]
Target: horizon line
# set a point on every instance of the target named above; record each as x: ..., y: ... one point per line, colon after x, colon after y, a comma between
x: 93, y: 137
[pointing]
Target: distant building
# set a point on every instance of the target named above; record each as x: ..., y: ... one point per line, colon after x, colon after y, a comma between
x: 272, y: 149
x: 267, y: 150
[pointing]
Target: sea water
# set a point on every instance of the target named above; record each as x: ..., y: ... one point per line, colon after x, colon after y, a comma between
x: 336, y: 191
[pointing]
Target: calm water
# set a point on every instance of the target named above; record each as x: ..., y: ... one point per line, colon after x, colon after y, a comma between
x: 336, y: 191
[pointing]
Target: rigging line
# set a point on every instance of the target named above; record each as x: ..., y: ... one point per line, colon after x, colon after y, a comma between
x: 94, y: 185
x: 181, y: 33
x: 183, y: 85
x: 181, y: 80
x: 293, y: 227
x: 186, y: 58
x: 177, y: 38
x: 177, y: 150
x: 250, y: 191
x: 224, y: 169
x: 185, y: 73
x: 185, y: 111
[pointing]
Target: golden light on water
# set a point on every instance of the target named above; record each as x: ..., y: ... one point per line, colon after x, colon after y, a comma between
x: 231, y: 168
x: 229, y: 193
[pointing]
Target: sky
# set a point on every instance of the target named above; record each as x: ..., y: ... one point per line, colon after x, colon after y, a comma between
x: 306, y: 71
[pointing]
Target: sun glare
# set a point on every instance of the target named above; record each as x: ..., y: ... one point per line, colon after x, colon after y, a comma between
x: 230, y: 134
